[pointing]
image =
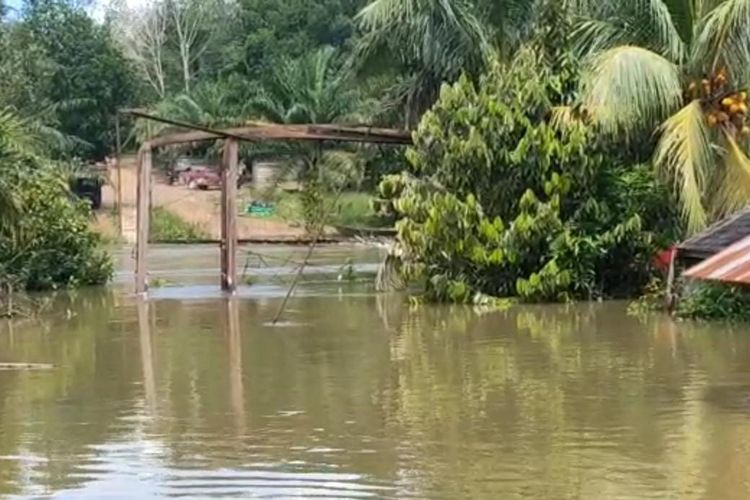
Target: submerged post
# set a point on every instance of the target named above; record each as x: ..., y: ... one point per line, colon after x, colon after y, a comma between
x: 143, y: 216
x: 229, y: 175
x: 118, y: 167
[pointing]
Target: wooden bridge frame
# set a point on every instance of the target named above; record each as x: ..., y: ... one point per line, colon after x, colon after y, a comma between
x: 254, y: 132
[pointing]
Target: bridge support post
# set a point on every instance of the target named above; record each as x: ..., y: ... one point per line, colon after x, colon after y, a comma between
x: 229, y: 178
x: 143, y: 216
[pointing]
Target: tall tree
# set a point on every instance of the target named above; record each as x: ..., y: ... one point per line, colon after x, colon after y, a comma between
x: 680, y: 68
x: 142, y: 35
x: 273, y: 30
x: 311, y: 89
x: 90, y: 78
x: 190, y: 20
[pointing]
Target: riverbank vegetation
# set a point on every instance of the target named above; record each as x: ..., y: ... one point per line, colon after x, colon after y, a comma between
x: 168, y: 227
x: 62, y: 80
x: 715, y: 301
x: 557, y: 145
x: 45, y: 240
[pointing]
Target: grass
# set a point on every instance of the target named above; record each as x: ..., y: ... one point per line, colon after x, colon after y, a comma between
x: 355, y: 209
x: 167, y: 226
x: 352, y: 208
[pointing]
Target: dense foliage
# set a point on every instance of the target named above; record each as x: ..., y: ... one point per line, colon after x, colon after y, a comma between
x: 60, y: 65
x: 45, y: 239
x: 63, y: 80
x: 52, y: 245
x: 715, y: 301
x: 290, y: 29
x: 501, y: 201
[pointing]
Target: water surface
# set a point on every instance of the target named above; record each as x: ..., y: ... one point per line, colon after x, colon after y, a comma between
x: 359, y: 395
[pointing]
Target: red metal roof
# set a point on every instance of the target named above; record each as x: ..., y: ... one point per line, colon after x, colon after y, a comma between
x: 731, y: 265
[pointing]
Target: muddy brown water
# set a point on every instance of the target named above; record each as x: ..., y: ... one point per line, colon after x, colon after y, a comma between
x: 359, y: 395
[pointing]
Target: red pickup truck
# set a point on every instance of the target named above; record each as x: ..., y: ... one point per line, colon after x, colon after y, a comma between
x: 200, y: 178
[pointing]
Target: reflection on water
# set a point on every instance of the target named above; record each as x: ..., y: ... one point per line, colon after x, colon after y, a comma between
x: 362, y: 395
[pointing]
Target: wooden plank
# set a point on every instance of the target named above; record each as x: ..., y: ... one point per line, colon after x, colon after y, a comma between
x: 274, y: 132
x: 229, y: 176
x: 118, y: 166
x: 143, y: 217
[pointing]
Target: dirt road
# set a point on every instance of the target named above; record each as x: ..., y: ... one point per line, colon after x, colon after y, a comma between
x: 193, y: 206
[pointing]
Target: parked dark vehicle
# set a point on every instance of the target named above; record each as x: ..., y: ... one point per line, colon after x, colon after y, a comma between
x: 88, y: 188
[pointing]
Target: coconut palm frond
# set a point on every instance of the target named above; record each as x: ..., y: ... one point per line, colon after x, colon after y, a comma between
x: 299, y: 113
x: 594, y: 35
x: 723, y: 38
x: 684, y: 154
x: 15, y: 137
x: 436, y: 40
x: 562, y: 117
x: 54, y: 139
x: 9, y: 206
x: 662, y: 24
x: 264, y: 106
x: 733, y: 191
x: 72, y: 104
x: 684, y: 13
x: 312, y: 89
x: 629, y: 87
x: 646, y: 23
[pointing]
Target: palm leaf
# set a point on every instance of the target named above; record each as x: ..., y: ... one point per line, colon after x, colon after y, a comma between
x: 684, y: 154
x: 627, y: 88
x: 433, y: 40
x: 684, y: 14
x: 9, y: 206
x: 724, y: 39
x: 593, y: 35
x: 733, y: 191
x: 663, y: 23
x: 15, y: 138
x: 645, y: 23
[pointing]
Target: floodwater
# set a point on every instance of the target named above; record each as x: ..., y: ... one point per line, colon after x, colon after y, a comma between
x: 359, y: 395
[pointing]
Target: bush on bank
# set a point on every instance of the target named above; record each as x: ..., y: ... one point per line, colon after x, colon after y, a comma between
x: 715, y: 301
x: 504, y: 200
x: 50, y: 244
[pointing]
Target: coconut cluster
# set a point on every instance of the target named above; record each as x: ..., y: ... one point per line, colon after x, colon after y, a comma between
x: 723, y: 106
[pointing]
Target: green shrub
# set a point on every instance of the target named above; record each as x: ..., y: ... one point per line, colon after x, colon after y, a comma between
x: 502, y: 202
x: 713, y: 301
x: 167, y: 226
x: 51, y: 244
x: 653, y: 298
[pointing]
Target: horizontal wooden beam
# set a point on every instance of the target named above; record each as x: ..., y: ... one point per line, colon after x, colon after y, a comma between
x: 256, y: 132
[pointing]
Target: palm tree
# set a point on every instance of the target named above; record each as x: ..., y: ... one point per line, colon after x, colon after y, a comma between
x: 312, y: 89
x: 680, y: 68
x: 216, y: 104
x: 433, y: 41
